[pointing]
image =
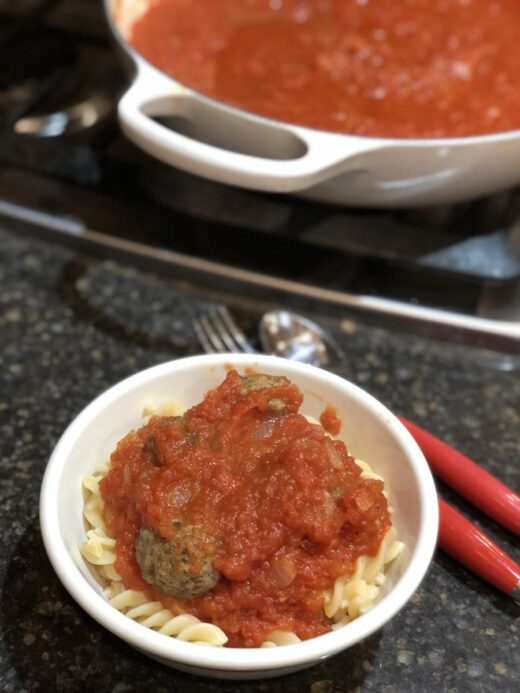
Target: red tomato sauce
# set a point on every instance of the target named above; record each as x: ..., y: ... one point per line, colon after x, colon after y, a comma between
x: 395, y: 68
x: 330, y: 421
x: 282, y: 505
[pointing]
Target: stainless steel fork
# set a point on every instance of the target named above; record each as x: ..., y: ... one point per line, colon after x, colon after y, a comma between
x: 217, y: 333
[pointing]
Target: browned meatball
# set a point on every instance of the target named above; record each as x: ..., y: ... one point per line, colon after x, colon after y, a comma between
x: 260, y: 381
x: 182, y: 432
x: 168, y: 565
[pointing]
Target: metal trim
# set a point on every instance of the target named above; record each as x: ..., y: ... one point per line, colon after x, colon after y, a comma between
x: 477, y: 326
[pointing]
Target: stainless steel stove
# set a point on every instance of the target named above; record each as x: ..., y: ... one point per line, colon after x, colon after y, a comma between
x: 67, y: 173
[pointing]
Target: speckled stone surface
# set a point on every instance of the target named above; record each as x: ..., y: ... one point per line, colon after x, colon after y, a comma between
x: 71, y: 326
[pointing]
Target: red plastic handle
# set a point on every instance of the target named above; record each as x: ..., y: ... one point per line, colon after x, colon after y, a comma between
x: 479, y: 487
x: 465, y: 542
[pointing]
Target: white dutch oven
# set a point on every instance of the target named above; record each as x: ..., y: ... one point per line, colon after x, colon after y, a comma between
x: 249, y: 151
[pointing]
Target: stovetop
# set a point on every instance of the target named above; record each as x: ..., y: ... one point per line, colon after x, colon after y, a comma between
x: 67, y: 171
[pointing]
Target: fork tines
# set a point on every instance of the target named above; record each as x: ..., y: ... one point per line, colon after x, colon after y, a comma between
x: 217, y: 332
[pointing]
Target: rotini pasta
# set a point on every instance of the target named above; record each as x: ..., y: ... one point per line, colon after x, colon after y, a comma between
x: 99, y: 551
x: 280, y: 637
x: 136, y: 606
x: 353, y: 595
x: 349, y: 597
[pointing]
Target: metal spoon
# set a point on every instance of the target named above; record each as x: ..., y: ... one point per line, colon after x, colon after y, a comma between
x: 290, y: 335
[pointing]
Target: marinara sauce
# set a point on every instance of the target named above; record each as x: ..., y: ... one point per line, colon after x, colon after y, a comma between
x: 395, y: 68
x: 282, y: 505
x: 330, y: 421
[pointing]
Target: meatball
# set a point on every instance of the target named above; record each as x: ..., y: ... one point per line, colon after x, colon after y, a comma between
x: 180, y: 424
x: 169, y: 565
x: 261, y: 381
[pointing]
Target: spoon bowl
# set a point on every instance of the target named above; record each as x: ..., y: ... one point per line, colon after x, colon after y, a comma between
x: 294, y: 337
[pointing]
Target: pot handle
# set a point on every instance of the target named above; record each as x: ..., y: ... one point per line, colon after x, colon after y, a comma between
x: 283, y: 159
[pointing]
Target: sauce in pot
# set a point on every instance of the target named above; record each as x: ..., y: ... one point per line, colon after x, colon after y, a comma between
x: 395, y: 68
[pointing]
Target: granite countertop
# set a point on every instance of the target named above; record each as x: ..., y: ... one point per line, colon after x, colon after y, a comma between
x: 71, y: 326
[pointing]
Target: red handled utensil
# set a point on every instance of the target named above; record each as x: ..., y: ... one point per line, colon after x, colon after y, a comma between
x: 459, y: 537
x: 471, y: 481
x: 465, y: 542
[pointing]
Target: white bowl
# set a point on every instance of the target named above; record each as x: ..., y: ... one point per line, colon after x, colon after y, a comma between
x: 371, y: 432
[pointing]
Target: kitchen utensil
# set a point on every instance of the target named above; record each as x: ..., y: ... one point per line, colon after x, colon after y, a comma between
x: 468, y: 545
x: 470, y: 480
x: 262, y: 154
x: 281, y: 332
x: 294, y: 337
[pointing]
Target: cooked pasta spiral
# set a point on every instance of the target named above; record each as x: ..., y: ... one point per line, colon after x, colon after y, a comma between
x: 277, y: 638
x: 99, y: 551
x: 353, y: 595
x: 152, y: 614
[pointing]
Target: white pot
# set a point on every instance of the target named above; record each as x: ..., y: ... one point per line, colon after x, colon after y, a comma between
x: 249, y: 151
